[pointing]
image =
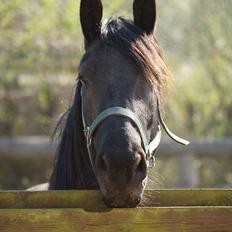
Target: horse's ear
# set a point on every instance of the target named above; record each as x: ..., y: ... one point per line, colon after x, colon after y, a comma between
x: 145, y: 15
x: 90, y: 16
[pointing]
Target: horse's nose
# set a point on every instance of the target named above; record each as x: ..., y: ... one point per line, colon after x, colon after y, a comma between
x: 120, y: 160
x: 122, y: 168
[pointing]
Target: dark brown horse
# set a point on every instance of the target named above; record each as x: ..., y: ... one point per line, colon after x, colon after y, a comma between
x: 112, y: 127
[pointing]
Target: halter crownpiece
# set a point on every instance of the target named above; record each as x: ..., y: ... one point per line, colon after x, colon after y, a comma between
x: 149, y: 148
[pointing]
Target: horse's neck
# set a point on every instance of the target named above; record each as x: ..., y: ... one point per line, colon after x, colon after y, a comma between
x: 72, y: 168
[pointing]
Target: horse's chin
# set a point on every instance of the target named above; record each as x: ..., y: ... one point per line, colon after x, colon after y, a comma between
x: 123, y: 198
x: 122, y: 201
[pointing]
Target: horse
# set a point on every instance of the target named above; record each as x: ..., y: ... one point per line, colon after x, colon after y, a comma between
x: 112, y: 128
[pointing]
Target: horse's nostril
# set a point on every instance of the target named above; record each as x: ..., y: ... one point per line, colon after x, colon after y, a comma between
x: 102, y: 163
x: 140, y: 164
x: 137, y: 161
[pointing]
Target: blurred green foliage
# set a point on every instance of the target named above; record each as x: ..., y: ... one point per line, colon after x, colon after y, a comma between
x: 204, y: 83
x: 39, y: 35
x: 43, y: 37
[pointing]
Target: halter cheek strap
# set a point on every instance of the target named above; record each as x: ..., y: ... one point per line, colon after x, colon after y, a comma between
x: 149, y: 148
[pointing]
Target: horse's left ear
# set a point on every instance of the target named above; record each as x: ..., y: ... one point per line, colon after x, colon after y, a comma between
x: 90, y: 16
x: 145, y: 15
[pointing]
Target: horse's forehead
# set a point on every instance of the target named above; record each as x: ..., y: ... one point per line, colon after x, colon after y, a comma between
x: 106, y: 60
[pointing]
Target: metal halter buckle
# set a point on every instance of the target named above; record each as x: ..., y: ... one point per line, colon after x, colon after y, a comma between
x: 87, y: 135
x: 151, y: 161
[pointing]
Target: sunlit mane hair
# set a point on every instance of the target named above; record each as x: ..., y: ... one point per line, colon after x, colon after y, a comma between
x: 141, y: 48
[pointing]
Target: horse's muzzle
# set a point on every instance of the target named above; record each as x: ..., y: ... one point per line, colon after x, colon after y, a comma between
x: 122, y: 200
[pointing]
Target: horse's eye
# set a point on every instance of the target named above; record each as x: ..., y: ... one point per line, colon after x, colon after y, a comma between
x: 150, y: 121
x: 82, y: 80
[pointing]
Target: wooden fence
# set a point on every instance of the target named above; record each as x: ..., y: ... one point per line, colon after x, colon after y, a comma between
x: 163, y: 211
x: 188, y: 173
x: 178, y: 210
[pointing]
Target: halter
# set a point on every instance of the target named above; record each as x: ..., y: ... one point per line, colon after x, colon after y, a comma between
x: 149, y: 147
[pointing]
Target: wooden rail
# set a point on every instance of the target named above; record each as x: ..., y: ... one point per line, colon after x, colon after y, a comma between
x: 185, y: 156
x: 202, y: 210
x: 27, y: 146
x: 32, y: 146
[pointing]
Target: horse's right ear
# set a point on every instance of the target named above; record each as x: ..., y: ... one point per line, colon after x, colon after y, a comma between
x: 145, y: 15
x: 90, y: 16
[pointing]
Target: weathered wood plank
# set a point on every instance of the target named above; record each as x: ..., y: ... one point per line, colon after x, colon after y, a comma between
x: 27, y: 146
x: 186, y: 219
x: 188, y: 197
x: 84, y: 211
x: 51, y: 199
x: 92, y: 199
x: 37, y: 145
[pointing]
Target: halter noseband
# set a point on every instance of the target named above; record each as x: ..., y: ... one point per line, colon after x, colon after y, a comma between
x: 149, y: 148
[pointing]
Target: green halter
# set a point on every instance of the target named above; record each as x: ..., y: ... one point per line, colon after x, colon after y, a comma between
x: 149, y: 148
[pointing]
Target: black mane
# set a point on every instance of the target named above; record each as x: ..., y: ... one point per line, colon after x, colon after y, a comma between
x: 72, y: 168
x: 141, y: 48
